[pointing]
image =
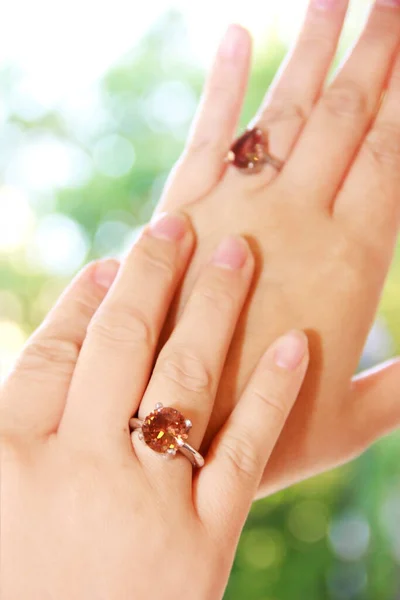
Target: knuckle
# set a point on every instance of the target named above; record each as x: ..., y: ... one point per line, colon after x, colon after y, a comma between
x: 343, y: 251
x: 46, y: 353
x: 274, y: 405
x: 219, y: 91
x: 122, y: 324
x: 285, y: 111
x: 85, y: 304
x: 346, y: 99
x: 84, y: 307
x: 383, y: 144
x: 355, y: 253
x: 379, y: 35
x: 80, y: 483
x: 16, y: 451
x: 202, y: 143
x: 314, y: 39
x: 219, y: 298
x: 345, y: 254
x: 241, y: 456
x: 364, y: 254
x: 187, y: 371
x: 154, y: 259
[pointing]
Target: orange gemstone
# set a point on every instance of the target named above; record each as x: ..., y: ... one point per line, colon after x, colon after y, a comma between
x: 248, y: 152
x: 162, y: 427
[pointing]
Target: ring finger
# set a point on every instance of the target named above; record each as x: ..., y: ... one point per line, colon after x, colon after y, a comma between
x: 187, y: 372
x: 292, y: 95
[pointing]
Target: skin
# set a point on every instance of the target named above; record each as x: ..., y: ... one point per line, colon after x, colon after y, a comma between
x: 322, y: 230
x: 89, y: 511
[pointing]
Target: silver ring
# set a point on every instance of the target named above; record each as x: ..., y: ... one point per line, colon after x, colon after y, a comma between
x: 165, y: 430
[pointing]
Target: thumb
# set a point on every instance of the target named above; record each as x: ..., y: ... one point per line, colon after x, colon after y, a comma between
x: 376, y: 401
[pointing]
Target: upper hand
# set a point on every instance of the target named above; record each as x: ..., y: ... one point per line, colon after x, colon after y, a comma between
x: 323, y: 229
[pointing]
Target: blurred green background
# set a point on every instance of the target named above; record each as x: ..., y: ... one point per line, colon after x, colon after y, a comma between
x: 82, y: 170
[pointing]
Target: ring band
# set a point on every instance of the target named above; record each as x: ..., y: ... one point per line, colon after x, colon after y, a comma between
x: 165, y: 430
x: 249, y: 153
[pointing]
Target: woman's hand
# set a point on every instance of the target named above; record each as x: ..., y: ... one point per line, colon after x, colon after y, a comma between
x: 322, y: 230
x: 86, y: 513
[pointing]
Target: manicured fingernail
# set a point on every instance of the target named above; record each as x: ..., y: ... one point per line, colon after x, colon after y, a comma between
x: 168, y: 227
x: 232, y: 42
x: 231, y: 253
x: 105, y: 272
x: 290, y: 350
x: 390, y: 3
x: 325, y: 4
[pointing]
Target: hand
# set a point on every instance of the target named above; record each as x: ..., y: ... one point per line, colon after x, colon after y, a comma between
x: 322, y: 230
x: 88, y: 513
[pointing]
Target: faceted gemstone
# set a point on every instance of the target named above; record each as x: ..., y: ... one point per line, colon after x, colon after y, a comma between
x: 248, y: 152
x: 162, y: 427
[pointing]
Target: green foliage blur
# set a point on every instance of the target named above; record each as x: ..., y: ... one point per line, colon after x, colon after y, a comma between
x: 335, y: 537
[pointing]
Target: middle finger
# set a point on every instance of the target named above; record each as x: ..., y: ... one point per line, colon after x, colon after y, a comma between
x: 116, y: 358
x: 344, y: 113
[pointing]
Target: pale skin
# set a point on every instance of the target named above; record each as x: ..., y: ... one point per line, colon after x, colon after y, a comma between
x: 90, y: 511
x: 322, y: 234
x: 322, y: 230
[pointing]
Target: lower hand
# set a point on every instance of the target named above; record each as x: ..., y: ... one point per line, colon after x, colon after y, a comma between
x: 88, y: 512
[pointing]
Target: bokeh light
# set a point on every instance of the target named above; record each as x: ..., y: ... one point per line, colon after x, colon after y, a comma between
x: 349, y: 537
x: 114, y: 156
x: 308, y: 521
x: 59, y: 247
x: 262, y: 548
x: 347, y: 582
x: 45, y: 162
x: 171, y: 104
x: 89, y: 131
x: 12, y: 337
x: 112, y: 237
x: 16, y: 218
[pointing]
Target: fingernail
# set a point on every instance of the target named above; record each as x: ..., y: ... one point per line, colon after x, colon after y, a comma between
x: 325, y: 4
x: 390, y: 3
x: 168, y: 227
x: 290, y: 350
x: 232, y: 41
x: 105, y: 272
x: 231, y: 253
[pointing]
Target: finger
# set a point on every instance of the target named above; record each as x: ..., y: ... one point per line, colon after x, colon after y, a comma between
x: 296, y: 88
x: 117, y: 355
x: 33, y: 397
x: 369, y: 199
x: 374, y: 408
x: 189, y: 367
x: 236, y: 461
x: 344, y: 113
x: 202, y: 162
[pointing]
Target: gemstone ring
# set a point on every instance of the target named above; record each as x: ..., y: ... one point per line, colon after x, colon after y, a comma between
x: 249, y: 153
x: 165, y: 430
